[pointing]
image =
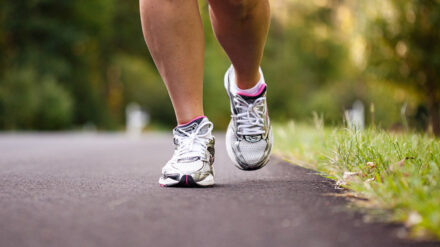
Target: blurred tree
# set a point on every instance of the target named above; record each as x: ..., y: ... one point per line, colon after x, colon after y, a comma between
x: 28, y: 101
x: 72, y: 63
x: 404, y: 46
x: 74, y: 43
x: 305, y: 54
x: 60, y: 39
x: 18, y: 99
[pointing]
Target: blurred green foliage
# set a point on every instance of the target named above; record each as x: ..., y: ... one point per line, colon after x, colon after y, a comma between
x: 404, y: 48
x: 66, y: 64
x: 26, y: 104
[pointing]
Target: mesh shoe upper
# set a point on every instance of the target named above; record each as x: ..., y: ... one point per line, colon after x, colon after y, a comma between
x: 252, y: 152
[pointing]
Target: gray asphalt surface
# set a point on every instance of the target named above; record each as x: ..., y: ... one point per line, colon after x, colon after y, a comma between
x: 102, y: 190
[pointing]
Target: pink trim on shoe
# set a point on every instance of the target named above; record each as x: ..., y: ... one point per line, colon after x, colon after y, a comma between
x: 199, y: 117
x: 253, y: 95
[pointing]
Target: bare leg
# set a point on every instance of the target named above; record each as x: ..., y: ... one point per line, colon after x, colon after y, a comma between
x: 174, y: 35
x: 241, y: 27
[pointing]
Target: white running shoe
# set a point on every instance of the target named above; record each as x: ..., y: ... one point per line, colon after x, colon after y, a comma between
x: 191, y: 164
x: 249, y: 135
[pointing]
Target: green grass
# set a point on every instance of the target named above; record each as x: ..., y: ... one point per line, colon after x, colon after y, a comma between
x: 399, y: 174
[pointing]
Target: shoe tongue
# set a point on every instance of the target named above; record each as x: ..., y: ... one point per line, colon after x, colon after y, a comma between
x: 189, y: 127
x: 250, y: 99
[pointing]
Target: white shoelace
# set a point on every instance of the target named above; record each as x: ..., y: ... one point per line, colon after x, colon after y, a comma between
x: 195, y: 143
x: 250, y: 119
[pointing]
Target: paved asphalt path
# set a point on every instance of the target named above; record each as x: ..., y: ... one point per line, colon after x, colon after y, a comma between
x: 102, y: 190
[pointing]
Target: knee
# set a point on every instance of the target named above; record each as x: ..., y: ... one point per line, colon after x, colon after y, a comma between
x: 243, y: 8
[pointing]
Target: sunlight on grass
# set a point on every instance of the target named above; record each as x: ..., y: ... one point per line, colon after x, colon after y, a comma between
x: 396, y: 172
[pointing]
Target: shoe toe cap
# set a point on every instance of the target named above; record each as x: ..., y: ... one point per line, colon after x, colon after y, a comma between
x: 252, y: 153
x: 247, y: 154
x: 189, y: 167
x: 252, y: 156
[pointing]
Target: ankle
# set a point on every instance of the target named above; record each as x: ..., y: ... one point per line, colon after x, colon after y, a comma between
x: 244, y: 87
x: 184, y: 121
x: 247, y: 81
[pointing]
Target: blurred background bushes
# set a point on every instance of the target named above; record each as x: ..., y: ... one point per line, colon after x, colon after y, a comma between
x: 68, y: 64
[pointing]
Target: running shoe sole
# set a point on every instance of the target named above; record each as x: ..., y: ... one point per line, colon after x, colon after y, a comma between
x: 187, y: 181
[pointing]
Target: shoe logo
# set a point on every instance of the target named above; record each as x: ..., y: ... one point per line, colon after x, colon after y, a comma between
x: 189, y: 159
x: 256, y: 138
